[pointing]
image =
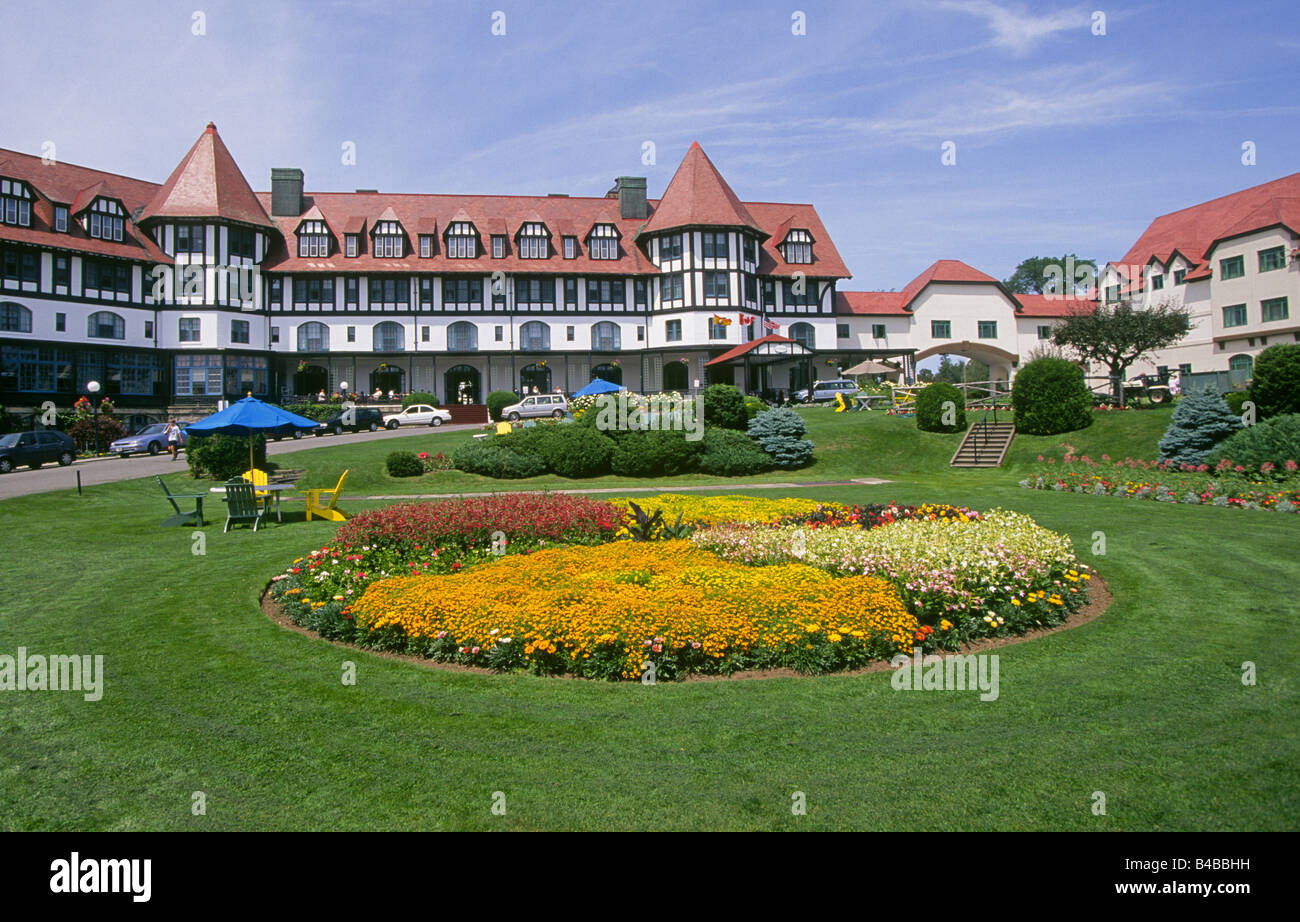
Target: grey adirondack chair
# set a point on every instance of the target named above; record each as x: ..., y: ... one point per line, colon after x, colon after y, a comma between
x: 242, y: 504
x: 182, y: 517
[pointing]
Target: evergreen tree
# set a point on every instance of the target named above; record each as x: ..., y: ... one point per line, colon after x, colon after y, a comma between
x: 1200, y: 422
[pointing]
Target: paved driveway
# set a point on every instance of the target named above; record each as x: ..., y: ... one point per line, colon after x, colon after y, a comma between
x: 52, y: 477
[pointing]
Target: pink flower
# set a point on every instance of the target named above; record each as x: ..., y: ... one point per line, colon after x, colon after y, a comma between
x: 474, y: 650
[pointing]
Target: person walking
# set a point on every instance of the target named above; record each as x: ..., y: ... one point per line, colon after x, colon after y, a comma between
x: 173, y: 433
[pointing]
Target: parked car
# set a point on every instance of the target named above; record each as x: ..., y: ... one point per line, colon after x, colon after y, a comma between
x: 417, y: 414
x: 151, y: 439
x: 826, y: 390
x: 537, y: 405
x: 362, y: 418
x: 35, y: 448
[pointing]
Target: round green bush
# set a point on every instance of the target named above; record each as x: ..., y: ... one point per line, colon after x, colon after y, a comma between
x: 1275, y: 382
x: 403, y: 464
x: 933, y: 404
x: 420, y: 397
x: 728, y: 453
x: 1236, y: 400
x: 482, y: 457
x: 724, y: 406
x: 567, y: 449
x: 222, y: 457
x: 1271, y: 441
x: 498, y: 401
x: 780, y: 433
x: 1200, y: 422
x: 658, y: 453
x: 753, y: 406
x: 1049, y: 396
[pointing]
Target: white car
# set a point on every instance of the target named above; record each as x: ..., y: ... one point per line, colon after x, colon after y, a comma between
x: 417, y: 414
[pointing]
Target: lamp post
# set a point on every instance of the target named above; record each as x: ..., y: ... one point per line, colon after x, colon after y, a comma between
x: 92, y: 388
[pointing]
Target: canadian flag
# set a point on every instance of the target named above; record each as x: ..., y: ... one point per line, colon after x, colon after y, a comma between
x: 771, y: 325
x: 746, y: 320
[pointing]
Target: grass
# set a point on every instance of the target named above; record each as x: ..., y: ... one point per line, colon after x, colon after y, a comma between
x: 205, y: 694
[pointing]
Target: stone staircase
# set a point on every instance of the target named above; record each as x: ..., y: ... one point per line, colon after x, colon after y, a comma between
x: 985, y: 445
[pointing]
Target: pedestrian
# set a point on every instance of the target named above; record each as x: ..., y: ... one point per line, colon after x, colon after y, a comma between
x: 173, y: 433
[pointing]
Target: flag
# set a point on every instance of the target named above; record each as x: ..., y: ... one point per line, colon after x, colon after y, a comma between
x: 771, y: 325
x: 746, y: 320
x: 721, y: 321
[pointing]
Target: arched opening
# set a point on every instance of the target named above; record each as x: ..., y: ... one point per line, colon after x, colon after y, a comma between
x: 310, y: 379
x: 462, y: 336
x: 389, y: 337
x: 534, y: 336
x: 675, y: 376
x: 606, y: 337
x: 804, y: 335
x: 535, y: 379
x: 461, y: 384
x: 313, y: 337
x: 606, y: 372
x: 387, y: 378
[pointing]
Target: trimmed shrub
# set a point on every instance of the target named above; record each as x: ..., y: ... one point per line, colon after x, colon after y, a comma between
x: 1235, y: 401
x: 317, y: 411
x: 1272, y: 441
x: 659, y: 453
x: 1200, y: 422
x: 575, y: 451
x: 1275, y: 382
x: 221, y: 457
x: 420, y: 397
x: 404, y: 464
x: 753, y: 406
x: 483, y: 457
x: 1049, y: 396
x: 932, y: 405
x: 498, y: 401
x: 82, y: 432
x: 728, y: 453
x: 724, y: 406
x: 780, y: 433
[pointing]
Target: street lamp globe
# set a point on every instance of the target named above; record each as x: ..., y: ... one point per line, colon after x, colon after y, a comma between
x: 343, y: 386
x: 92, y: 387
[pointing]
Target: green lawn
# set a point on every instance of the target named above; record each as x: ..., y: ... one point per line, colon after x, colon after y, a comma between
x: 205, y: 694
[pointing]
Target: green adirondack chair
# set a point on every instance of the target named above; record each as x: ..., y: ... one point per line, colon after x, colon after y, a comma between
x: 242, y: 504
x: 181, y: 517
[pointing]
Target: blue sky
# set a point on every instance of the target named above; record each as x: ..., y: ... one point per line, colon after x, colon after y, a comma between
x: 1065, y: 140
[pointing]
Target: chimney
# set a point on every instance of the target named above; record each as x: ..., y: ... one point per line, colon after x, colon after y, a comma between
x: 286, y: 191
x: 630, y: 192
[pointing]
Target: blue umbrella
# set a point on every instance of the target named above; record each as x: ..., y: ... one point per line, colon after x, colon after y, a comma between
x: 247, y: 417
x: 597, y: 386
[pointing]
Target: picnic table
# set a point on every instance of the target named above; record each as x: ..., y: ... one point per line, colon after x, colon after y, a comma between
x: 275, y: 489
x: 864, y: 401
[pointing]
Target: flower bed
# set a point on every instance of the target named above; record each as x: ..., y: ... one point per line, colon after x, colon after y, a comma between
x: 833, y: 515
x: 604, y: 612
x: 1226, y: 484
x: 967, y: 578
x: 705, y: 510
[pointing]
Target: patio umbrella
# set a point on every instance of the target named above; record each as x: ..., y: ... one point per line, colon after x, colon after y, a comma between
x: 597, y: 386
x: 871, y: 368
x: 249, y: 417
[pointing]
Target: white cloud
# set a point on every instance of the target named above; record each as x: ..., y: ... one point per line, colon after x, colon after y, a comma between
x: 1017, y: 29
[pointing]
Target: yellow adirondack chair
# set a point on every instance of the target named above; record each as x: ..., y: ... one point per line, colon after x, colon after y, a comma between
x: 260, y: 479
x: 504, y: 428
x: 328, y: 510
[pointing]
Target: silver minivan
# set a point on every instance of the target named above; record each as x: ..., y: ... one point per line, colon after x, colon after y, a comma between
x: 534, y: 405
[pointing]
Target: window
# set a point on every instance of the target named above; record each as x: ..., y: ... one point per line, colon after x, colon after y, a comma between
x: 570, y: 293
x: 803, y: 334
x: 640, y: 289
x: 1157, y: 282
x: 148, y: 329
x: 751, y: 249
x: 498, y: 246
x: 1234, y: 315
x: 671, y: 287
x: 640, y: 334
x: 351, y: 295
x: 841, y: 331
x: 109, y: 278
x: 313, y: 239
x: 313, y: 291
x: 534, y: 242
x: 570, y: 247
x: 389, y: 242
x: 424, y: 334
x: 246, y: 374
x: 877, y: 331
x: 462, y: 337
x: 534, y: 336
x: 534, y: 293
x: 240, y: 242
x: 188, y: 329
x: 807, y: 297
x: 351, y: 244
x: 606, y: 293
x: 1275, y: 309
x: 462, y: 293
x: 717, y: 329
x: 461, y: 241
x: 798, y: 247
x: 1271, y: 259
x: 1234, y: 267
x: 426, y: 246
x: 275, y: 334
x: 16, y: 203
x: 1185, y: 368
x: 714, y: 246
x: 751, y: 288
x: 275, y: 293
x: 104, y: 222
x: 603, y: 242
x: 61, y: 323
x: 198, y: 375
x: 673, y: 331
x: 1112, y: 292
x: 36, y: 368
x: 1241, y: 363
x: 352, y: 334
x: 313, y: 337
x: 670, y: 247
x: 569, y: 333
x: 389, y: 291
x: 1044, y: 331
x: 988, y: 329
x: 389, y: 337
x: 941, y: 329
x: 606, y: 337
x: 1179, y: 276
x: 499, y: 333
x: 62, y: 273
x: 715, y: 285
x: 239, y: 331
x: 14, y: 318
x: 105, y: 325
x: 61, y: 219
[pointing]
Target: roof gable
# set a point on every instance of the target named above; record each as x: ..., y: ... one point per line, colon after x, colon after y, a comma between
x: 697, y: 195
x: 207, y: 184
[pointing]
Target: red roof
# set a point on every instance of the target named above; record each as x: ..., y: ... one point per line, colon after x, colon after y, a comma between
x: 945, y: 270
x: 1195, y: 230
x: 207, y: 184
x: 1044, y: 306
x: 698, y: 196
x: 737, y: 351
x: 869, y: 302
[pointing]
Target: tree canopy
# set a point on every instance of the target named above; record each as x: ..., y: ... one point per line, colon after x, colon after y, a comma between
x: 1117, y: 335
x: 1043, y: 275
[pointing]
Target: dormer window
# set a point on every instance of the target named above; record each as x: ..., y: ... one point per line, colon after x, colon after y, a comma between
x: 498, y: 246
x: 351, y: 244
x: 105, y: 220
x: 570, y: 247
x: 603, y: 242
x: 16, y: 203
x: 389, y: 242
x: 534, y: 242
x: 798, y: 247
x: 313, y: 239
x: 61, y: 218
x: 426, y: 246
x: 461, y: 241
